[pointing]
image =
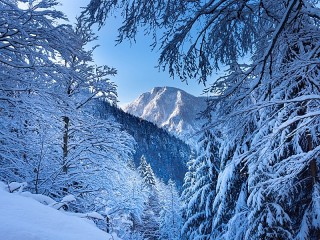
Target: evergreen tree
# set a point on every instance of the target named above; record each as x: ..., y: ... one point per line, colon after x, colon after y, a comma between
x: 170, y: 215
x: 149, y: 177
x: 142, y: 168
x: 187, y: 186
x: 149, y: 226
x: 198, y: 211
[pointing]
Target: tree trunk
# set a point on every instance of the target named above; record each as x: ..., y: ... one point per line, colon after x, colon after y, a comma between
x: 65, y: 144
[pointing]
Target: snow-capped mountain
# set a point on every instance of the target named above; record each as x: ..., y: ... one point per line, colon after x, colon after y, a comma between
x: 172, y: 109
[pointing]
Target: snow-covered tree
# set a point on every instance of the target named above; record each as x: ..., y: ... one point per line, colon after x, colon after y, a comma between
x: 31, y: 42
x: 199, y: 213
x: 170, y: 214
x: 94, y: 147
x: 125, y: 203
x: 142, y: 168
x: 149, y: 225
x: 188, y: 184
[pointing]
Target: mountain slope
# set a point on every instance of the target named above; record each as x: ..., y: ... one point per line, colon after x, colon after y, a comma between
x: 166, y: 154
x: 170, y: 108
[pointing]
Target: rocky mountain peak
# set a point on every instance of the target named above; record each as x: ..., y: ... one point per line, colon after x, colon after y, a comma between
x: 170, y: 108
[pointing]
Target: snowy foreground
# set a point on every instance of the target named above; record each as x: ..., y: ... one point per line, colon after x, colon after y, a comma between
x: 24, y: 218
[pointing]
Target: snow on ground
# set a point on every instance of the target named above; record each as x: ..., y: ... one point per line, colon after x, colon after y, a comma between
x: 24, y: 218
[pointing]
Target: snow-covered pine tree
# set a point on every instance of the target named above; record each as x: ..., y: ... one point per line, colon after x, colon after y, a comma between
x: 170, y: 214
x: 230, y: 208
x: 142, y: 168
x: 149, y: 178
x: 147, y: 173
x: 188, y: 183
x: 289, y: 144
x: 198, y: 206
x: 149, y: 226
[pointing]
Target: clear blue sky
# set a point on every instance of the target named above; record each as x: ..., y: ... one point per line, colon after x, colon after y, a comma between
x: 135, y: 63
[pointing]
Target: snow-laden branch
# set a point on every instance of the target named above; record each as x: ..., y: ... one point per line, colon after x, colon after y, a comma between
x: 295, y: 119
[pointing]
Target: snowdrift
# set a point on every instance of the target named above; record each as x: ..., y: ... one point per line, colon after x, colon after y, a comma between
x: 25, y: 218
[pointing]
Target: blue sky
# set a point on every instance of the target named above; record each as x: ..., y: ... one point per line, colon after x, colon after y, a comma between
x: 135, y: 63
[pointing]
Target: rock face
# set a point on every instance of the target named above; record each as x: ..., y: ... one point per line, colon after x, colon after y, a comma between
x: 172, y: 109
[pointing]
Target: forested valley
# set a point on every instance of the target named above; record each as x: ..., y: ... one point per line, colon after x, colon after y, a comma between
x: 254, y: 172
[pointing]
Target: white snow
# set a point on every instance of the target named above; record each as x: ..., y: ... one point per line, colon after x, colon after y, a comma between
x: 16, y: 186
x: 23, y: 218
x: 68, y: 198
x: 93, y: 215
x: 39, y: 198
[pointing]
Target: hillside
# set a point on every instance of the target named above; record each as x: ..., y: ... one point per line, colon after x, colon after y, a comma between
x: 166, y: 153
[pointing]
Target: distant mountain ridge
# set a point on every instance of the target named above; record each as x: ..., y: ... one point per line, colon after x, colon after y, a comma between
x: 170, y: 108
